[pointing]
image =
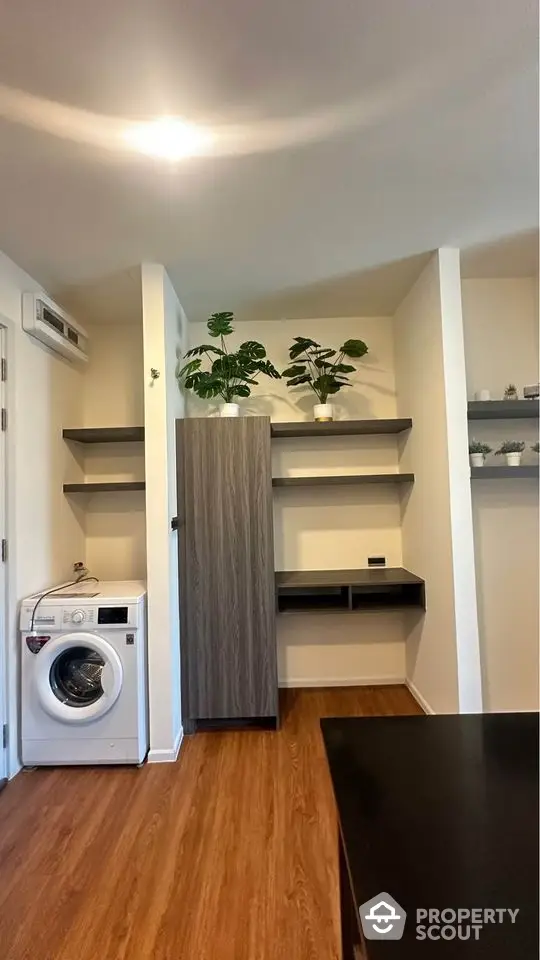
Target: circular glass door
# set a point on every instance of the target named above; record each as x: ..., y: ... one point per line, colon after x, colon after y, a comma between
x: 76, y: 675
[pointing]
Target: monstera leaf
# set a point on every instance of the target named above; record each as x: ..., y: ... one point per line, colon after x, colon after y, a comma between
x: 220, y: 324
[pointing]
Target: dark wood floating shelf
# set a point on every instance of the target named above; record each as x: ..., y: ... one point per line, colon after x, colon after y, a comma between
x: 343, y: 479
x: 502, y: 409
x: 106, y: 487
x: 348, y: 591
x: 523, y: 472
x: 104, y: 434
x: 339, y: 428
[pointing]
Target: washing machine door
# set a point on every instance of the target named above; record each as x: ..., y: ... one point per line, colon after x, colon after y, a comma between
x: 78, y: 677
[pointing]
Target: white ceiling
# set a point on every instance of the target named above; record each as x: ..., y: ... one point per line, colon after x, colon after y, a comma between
x: 398, y: 127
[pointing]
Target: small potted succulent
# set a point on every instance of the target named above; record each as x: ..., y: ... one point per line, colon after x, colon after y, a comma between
x: 512, y: 450
x: 478, y: 451
x: 322, y: 370
x: 536, y: 447
x: 510, y: 392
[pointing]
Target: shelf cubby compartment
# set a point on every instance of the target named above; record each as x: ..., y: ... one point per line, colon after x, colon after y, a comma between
x: 300, y: 599
x: 502, y: 409
x: 348, y: 591
x: 104, y: 434
x: 339, y: 428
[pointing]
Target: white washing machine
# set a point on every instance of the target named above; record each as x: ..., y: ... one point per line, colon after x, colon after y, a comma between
x: 83, y: 673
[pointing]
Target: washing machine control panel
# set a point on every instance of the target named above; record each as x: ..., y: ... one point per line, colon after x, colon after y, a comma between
x: 79, y: 615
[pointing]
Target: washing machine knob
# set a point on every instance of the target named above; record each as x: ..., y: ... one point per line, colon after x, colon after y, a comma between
x: 77, y: 616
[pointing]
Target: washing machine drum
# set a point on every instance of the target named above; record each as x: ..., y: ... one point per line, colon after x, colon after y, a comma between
x: 78, y: 677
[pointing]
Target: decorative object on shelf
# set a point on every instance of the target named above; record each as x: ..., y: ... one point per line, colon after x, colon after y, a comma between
x: 532, y: 392
x: 510, y: 392
x: 231, y: 375
x: 322, y: 369
x: 478, y: 452
x: 482, y: 395
x: 536, y: 447
x: 512, y: 450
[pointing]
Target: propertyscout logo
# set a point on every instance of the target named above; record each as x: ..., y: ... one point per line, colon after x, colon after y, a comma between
x: 384, y: 919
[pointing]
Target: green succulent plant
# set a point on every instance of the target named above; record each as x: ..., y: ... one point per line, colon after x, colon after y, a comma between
x: 510, y: 392
x: 231, y: 375
x: 322, y: 368
x: 510, y: 446
x: 476, y: 446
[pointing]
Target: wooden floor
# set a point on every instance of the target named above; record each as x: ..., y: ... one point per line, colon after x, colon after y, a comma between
x: 229, y: 854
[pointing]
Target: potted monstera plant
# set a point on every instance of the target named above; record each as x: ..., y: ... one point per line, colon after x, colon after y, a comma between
x: 322, y: 369
x: 229, y: 374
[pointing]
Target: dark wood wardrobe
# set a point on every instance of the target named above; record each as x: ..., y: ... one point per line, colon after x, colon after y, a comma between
x: 226, y: 572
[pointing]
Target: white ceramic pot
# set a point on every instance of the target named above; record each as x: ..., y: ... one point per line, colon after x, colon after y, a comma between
x: 477, y: 459
x: 482, y: 395
x: 229, y: 410
x: 323, y: 411
x: 513, y: 459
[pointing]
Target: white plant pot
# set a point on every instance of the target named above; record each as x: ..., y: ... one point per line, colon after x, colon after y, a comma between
x: 477, y: 459
x: 513, y: 459
x: 323, y: 411
x: 229, y: 410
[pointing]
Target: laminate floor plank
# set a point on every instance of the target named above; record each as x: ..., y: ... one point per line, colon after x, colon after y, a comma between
x: 228, y: 854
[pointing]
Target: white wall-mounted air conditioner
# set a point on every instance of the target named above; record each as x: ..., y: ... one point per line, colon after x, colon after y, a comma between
x: 45, y: 320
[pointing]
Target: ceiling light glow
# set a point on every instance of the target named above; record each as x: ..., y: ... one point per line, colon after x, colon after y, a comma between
x: 169, y: 138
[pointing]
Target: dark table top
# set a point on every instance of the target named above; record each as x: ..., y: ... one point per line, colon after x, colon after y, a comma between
x: 442, y: 812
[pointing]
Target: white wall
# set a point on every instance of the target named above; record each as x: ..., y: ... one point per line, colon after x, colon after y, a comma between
x: 325, y: 527
x: 501, y: 334
x: 113, y: 384
x: 501, y: 346
x: 113, y: 397
x: 45, y: 529
x: 164, y: 334
x: 442, y: 647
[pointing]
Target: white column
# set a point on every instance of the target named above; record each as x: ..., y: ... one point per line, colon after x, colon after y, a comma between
x: 443, y: 662
x: 163, y: 338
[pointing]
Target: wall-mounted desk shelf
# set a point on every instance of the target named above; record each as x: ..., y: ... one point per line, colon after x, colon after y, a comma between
x: 523, y: 472
x: 348, y: 591
x: 104, y: 434
x: 339, y: 428
x: 502, y: 409
x: 105, y: 487
x: 343, y: 479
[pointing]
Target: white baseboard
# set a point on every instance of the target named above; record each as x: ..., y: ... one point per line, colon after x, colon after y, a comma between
x: 340, y: 681
x: 167, y: 756
x: 419, y: 698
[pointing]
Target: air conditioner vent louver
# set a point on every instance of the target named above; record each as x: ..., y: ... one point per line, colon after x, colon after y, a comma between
x: 45, y: 320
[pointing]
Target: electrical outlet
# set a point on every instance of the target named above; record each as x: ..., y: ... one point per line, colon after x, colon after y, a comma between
x: 376, y: 561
